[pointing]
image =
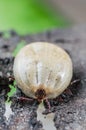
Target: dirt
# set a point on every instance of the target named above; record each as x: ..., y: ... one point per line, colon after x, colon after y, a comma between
x: 70, y: 111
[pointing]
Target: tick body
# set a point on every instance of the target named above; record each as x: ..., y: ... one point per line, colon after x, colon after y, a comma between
x: 42, y: 70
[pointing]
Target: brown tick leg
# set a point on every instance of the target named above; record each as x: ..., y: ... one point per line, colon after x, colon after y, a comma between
x: 68, y: 91
x: 65, y: 96
x: 60, y: 99
x: 24, y: 99
x: 20, y: 99
x: 27, y: 100
x: 47, y: 106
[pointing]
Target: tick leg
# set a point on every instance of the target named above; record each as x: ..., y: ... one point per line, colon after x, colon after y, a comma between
x: 65, y: 96
x: 24, y: 99
x: 60, y: 99
x: 68, y: 91
x: 47, y: 103
x: 47, y: 106
x: 21, y: 99
x: 75, y: 82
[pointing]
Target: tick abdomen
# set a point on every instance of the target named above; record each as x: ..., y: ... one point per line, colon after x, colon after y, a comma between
x: 43, y: 65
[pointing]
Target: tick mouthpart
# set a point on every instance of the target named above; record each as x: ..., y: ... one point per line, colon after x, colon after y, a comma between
x: 40, y: 94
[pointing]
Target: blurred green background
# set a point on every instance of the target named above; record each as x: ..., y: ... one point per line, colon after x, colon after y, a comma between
x: 29, y: 16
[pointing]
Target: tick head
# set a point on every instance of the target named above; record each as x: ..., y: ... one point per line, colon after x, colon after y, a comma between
x: 40, y: 94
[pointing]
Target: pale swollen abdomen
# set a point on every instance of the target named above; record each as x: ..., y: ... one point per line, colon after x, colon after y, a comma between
x: 42, y: 65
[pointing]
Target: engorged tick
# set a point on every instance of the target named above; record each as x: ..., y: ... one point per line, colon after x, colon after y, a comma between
x: 42, y: 70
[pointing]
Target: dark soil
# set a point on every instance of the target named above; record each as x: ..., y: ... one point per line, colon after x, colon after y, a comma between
x: 69, y: 108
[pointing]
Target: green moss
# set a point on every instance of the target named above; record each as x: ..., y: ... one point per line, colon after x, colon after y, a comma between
x: 13, y: 90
